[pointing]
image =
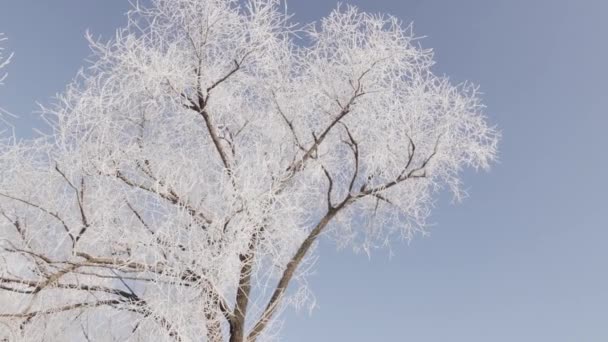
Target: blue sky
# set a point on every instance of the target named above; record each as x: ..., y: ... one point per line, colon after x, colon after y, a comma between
x: 524, y: 258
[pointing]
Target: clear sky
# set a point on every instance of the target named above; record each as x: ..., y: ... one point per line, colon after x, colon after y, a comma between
x: 525, y: 258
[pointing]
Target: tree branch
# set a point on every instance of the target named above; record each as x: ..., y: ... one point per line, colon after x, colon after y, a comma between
x: 354, y: 146
x: 288, y: 123
x: 32, y: 314
x: 288, y: 273
x: 345, y: 109
x: 80, y: 201
x: 295, y: 261
x: 200, y: 106
x: 414, y: 173
x: 171, y: 197
x: 54, y: 215
x: 329, y: 188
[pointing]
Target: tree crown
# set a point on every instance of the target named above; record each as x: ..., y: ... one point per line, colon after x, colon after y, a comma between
x: 193, y: 165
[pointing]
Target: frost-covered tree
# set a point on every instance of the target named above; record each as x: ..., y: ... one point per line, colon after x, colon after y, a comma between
x: 193, y: 167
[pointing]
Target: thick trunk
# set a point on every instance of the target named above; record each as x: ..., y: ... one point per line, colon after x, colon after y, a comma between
x: 237, y: 328
x: 237, y: 333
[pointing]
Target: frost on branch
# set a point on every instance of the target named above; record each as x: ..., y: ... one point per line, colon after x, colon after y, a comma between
x: 3, y: 59
x: 193, y: 166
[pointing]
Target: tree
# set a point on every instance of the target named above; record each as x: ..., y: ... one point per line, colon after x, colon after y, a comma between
x: 193, y: 166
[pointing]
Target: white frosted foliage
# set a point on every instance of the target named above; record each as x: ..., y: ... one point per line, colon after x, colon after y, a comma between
x: 193, y: 166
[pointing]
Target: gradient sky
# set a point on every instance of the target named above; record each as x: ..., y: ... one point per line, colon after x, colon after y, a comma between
x: 524, y: 258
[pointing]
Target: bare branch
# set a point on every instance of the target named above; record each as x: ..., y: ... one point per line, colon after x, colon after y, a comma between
x: 288, y: 123
x: 329, y: 188
x: 320, y: 138
x: 354, y: 146
x: 237, y: 66
x: 171, y: 196
x: 289, y: 271
x: 80, y: 201
x: 54, y: 215
x: 76, y: 306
